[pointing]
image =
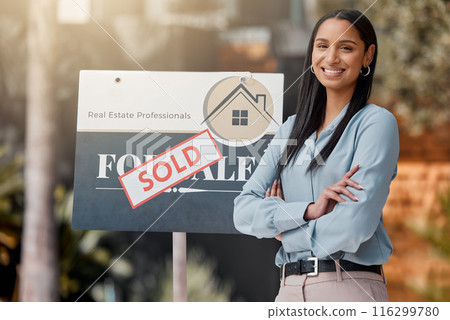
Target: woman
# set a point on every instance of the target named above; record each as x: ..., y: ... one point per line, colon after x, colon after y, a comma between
x: 322, y: 193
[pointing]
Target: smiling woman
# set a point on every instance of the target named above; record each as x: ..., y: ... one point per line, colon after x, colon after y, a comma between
x: 310, y: 196
x: 338, y: 56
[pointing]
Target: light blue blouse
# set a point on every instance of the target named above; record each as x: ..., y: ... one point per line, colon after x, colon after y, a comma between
x: 353, y: 230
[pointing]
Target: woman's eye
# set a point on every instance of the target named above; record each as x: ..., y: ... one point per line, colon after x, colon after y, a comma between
x: 321, y: 46
x: 346, y: 48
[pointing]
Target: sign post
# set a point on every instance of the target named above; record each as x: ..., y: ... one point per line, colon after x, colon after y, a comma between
x: 169, y: 151
x: 179, y: 267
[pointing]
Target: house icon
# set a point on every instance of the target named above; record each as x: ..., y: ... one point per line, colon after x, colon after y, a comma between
x: 238, y: 111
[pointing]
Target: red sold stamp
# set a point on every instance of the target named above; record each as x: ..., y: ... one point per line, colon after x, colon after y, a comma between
x: 169, y: 168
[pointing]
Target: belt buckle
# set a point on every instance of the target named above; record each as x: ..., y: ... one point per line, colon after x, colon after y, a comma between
x: 316, y: 267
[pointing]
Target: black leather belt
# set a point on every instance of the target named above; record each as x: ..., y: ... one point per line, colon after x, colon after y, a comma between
x: 312, y: 267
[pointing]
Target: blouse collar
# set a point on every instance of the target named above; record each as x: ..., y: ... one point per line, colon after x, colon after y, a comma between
x: 333, y: 124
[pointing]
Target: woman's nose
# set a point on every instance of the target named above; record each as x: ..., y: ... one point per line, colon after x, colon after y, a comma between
x: 331, y: 55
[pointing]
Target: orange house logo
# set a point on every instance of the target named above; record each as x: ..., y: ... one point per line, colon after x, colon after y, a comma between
x: 238, y: 111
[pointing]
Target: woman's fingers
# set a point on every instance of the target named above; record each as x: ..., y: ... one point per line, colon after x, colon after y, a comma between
x: 274, y: 190
x: 279, y: 191
x: 351, y: 171
x: 351, y: 183
x: 344, y: 190
x: 341, y: 189
x: 338, y: 198
x: 331, y: 194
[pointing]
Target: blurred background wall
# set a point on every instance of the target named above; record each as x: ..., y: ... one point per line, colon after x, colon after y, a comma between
x: 412, y: 81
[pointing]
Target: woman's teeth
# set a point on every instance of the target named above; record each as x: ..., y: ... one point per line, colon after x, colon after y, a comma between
x: 333, y: 71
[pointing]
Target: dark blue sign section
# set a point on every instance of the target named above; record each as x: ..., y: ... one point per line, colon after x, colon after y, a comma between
x: 203, y: 203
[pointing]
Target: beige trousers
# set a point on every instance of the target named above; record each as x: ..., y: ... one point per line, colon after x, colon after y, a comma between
x: 336, y: 286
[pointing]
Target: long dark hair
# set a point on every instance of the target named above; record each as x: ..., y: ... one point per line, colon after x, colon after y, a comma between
x: 312, y: 96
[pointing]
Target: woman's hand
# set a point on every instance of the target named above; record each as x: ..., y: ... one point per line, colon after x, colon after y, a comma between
x: 275, y: 191
x: 330, y: 196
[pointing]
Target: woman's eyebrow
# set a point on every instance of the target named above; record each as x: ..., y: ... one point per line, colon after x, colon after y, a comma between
x: 340, y: 41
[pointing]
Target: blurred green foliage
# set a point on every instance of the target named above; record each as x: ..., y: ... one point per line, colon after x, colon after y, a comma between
x: 415, y: 71
x: 438, y: 234
x: 436, y: 231
x: 80, y: 256
x: 11, y: 206
x: 202, y: 283
x: 157, y: 285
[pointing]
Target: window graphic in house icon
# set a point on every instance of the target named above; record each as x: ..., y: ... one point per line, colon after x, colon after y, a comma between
x: 237, y: 110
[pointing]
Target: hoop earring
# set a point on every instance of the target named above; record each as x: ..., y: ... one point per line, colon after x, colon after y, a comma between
x: 312, y: 70
x: 368, y: 71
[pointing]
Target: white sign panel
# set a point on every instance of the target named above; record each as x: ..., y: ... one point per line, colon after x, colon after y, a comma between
x: 133, y: 130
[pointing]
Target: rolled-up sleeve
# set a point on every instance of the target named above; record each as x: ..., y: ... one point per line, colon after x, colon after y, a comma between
x: 267, y: 217
x: 351, y: 223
